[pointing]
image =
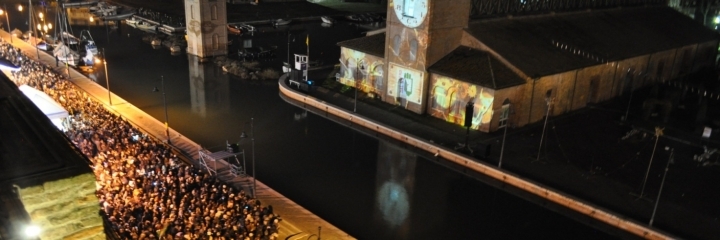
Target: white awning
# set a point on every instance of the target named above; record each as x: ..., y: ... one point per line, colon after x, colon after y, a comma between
x: 45, y: 103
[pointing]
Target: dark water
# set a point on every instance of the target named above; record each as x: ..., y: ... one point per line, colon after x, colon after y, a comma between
x: 370, y: 188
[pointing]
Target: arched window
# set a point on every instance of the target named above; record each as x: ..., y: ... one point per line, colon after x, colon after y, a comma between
x: 213, y: 12
x: 215, y: 42
x: 413, y: 49
x: 192, y: 11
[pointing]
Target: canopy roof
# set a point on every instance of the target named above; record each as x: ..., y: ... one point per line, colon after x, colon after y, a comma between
x: 45, y: 103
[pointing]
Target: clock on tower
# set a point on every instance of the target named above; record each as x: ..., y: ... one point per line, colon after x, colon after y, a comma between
x: 411, y: 13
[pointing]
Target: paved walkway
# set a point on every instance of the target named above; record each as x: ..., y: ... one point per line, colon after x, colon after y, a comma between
x: 298, y: 222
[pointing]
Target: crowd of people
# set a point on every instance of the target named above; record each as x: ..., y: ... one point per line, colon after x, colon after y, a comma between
x: 145, y: 190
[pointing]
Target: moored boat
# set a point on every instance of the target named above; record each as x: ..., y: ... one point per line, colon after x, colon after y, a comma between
x: 327, y: 19
x: 234, y: 29
x: 280, y: 22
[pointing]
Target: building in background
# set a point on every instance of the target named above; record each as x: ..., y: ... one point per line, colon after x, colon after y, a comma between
x: 435, y: 61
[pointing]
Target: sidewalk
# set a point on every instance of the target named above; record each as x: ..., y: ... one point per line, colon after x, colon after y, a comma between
x: 584, y: 158
x: 297, y: 223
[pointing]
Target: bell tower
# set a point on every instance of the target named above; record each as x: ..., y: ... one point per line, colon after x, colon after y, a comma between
x: 206, y: 22
x: 419, y: 33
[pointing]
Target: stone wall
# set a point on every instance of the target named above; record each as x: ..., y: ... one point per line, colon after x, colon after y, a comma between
x: 65, y: 208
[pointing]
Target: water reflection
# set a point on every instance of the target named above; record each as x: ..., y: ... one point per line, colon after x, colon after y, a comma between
x: 395, y: 183
x: 207, y: 87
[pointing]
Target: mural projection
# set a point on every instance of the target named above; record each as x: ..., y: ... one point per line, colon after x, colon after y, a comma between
x: 405, y: 85
x: 394, y: 189
x: 360, y: 70
x: 448, y: 98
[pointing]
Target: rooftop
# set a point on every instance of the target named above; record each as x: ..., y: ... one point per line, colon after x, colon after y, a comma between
x: 475, y: 66
x: 548, y: 44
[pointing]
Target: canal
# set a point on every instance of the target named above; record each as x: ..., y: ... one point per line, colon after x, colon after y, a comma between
x: 368, y: 187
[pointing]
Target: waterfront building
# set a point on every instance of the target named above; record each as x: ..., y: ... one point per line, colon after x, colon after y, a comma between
x: 433, y: 60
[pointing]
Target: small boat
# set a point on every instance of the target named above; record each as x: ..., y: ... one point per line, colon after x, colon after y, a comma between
x: 72, y: 40
x: 88, y: 42
x: 257, y: 53
x: 103, y: 9
x: 281, y: 22
x: 131, y: 21
x: 144, y: 26
x: 73, y: 3
x: 327, y: 19
x: 247, y: 27
x: 65, y: 54
x: 119, y: 16
x: 234, y: 29
x: 175, y: 49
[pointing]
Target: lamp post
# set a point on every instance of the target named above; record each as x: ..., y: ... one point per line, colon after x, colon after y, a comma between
x: 505, y: 114
x: 7, y: 19
x: 658, y: 133
x: 167, y: 130
x: 628, y: 78
x: 107, y: 82
x: 358, y: 69
x: 288, y: 48
x: 667, y: 167
x: 548, y: 101
x: 252, y: 139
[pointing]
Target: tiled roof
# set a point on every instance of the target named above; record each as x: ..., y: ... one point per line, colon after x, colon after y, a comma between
x: 550, y: 44
x: 473, y: 66
x: 373, y: 44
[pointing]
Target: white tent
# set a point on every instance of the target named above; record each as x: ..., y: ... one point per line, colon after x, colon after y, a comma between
x: 45, y: 103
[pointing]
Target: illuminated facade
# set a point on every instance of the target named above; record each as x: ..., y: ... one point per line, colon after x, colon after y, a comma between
x: 431, y: 60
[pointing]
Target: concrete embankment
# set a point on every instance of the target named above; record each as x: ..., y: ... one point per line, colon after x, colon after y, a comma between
x: 298, y: 222
x: 450, y: 155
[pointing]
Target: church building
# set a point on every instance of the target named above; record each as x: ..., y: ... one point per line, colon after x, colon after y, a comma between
x: 433, y: 60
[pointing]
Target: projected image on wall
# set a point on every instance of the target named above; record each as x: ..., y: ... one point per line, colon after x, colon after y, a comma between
x: 361, y: 71
x: 448, y: 98
x: 405, y: 85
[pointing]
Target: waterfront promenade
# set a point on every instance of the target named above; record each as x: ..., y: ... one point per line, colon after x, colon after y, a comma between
x: 446, y: 154
x: 297, y: 223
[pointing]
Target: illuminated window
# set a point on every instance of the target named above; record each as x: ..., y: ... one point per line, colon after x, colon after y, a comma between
x: 408, y: 8
x: 504, y: 114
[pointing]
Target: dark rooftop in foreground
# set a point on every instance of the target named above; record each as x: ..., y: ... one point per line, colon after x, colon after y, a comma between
x: 472, y: 65
x: 554, y: 43
x: 32, y: 149
x: 373, y: 44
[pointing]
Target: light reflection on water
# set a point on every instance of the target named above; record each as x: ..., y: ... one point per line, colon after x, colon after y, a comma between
x: 370, y: 188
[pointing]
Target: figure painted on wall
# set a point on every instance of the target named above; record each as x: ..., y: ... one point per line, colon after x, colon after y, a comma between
x: 403, y: 84
x: 449, y: 98
x: 376, y: 80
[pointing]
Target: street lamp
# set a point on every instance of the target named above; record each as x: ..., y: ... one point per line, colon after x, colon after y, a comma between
x: 658, y: 133
x: 628, y: 77
x: 548, y: 101
x: 252, y: 139
x: 359, y: 68
x: 107, y: 81
x: 3, y: 12
x: 162, y: 82
x: 667, y: 167
x: 504, y: 117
